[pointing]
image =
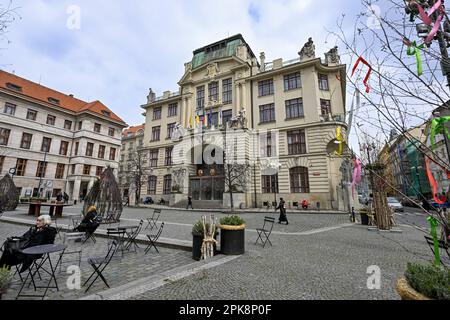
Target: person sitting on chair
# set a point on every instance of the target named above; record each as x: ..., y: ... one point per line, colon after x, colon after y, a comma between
x: 90, y: 221
x: 305, y: 204
x: 40, y: 234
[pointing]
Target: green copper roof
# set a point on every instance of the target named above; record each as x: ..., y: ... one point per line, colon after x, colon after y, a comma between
x: 204, y: 56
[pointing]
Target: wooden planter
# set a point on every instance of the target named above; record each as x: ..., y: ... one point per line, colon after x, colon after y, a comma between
x: 232, y: 239
x: 406, y: 292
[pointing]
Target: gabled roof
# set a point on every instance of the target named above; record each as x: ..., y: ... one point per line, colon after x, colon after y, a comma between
x: 132, y: 129
x: 23, y: 87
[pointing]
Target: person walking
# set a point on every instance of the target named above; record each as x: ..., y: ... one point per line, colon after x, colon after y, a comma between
x: 282, y: 207
x: 189, y: 204
x: 66, y: 198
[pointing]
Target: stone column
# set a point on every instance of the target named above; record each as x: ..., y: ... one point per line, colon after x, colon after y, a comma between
x: 76, y: 190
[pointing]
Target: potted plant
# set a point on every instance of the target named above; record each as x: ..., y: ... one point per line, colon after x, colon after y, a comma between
x: 232, y: 235
x: 424, y: 282
x: 5, y: 279
x: 198, y: 234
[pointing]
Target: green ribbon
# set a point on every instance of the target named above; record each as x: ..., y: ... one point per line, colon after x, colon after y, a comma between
x: 438, y: 127
x: 434, y: 224
x: 413, y: 49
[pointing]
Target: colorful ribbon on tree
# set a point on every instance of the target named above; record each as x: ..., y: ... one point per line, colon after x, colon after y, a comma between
x: 361, y: 59
x: 426, y: 18
x: 433, y: 225
x: 340, y: 139
x: 432, y: 181
x: 356, y: 174
x: 413, y: 49
x: 438, y: 127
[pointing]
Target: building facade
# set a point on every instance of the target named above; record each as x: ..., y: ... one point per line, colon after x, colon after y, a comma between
x: 132, y: 142
x: 284, y: 115
x: 52, y: 142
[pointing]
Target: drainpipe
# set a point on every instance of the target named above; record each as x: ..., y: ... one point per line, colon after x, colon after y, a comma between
x: 253, y: 126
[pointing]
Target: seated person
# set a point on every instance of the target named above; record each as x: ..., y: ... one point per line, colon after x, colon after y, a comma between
x: 90, y: 221
x: 305, y: 204
x: 42, y: 233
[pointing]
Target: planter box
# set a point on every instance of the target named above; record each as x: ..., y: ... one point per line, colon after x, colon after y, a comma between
x: 197, y: 241
x: 232, y: 239
x: 406, y: 292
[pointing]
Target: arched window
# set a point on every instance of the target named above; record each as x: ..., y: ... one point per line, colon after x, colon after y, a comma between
x: 299, y: 180
x: 167, y: 184
x: 151, y: 185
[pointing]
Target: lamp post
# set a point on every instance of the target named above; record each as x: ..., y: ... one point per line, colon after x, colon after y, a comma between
x: 41, y: 175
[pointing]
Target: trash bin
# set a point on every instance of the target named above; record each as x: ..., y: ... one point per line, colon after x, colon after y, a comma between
x: 364, y: 218
x: 74, y: 202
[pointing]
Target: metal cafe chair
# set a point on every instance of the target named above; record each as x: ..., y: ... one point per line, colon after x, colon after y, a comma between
x: 153, y: 239
x: 151, y: 221
x: 264, y: 232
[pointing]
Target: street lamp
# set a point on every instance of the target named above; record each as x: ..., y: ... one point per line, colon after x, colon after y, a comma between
x: 41, y: 175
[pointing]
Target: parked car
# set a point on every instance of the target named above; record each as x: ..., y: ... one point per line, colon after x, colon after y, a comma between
x: 411, y: 201
x: 394, y: 204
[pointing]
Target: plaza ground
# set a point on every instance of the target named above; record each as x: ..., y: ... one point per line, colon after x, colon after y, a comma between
x: 316, y: 256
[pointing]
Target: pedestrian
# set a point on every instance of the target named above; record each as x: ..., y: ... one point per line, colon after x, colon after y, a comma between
x: 59, y: 197
x: 66, y: 198
x: 282, y: 207
x: 189, y: 204
x: 127, y: 204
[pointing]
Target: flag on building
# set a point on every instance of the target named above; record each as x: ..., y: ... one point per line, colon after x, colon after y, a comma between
x: 190, y: 121
x: 197, y: 120
x: 220, y: 117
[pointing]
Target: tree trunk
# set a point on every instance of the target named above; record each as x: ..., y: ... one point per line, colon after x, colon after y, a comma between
x: 381, y: 207
x: 231, y: 199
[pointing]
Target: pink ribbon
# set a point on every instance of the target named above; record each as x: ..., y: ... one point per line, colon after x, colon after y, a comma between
x: 426, y: 18
x: 356, y: 174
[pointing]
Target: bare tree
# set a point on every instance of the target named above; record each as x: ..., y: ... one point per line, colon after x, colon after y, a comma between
x: 8, y: 14
x: 137, y: 171
x: 237, y: 176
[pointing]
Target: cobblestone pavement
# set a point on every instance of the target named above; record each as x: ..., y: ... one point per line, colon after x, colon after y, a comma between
x: 327, y: 265
x: 131, y: 266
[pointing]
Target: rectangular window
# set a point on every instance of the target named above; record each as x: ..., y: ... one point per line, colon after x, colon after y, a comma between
x: 292, y: 81
x: 46, y: 143
x: 267, y: 143
x: 168, y: 159
x: 200, y: 97
x: 213, y: 91
x: 64, y: 148
x: 299, y: 180
x: 227, y: 91
x: 151, y: 185
x: 21, y: 166
x: 98, y: 171
x: 26, y: 140
x: 31, y: 114
x: 4, y: 136
x: 213, y: 119
x: 73, y: 169
x: 325, y: 106
x: 111, y: 132
x: 51, y: 120
x: 265, y: 87
x: 80, y: 125
x: 77, y: 144
x: 167, y: 186
x: 267, y: 113
x: 60, y: 171
x: 323, y: 82
x: 101, y: 152
x: 173, y: 109
x: 41, y: 169
x: 86, y: 170
x: 157, y: 113
x: 294, y: 108
x: 97, y: 127
x: 89, y: 149
x: 170, y: 129
x: 226, y: 116
x: 68, y: 124
x: 156, y: 131
x: 112, y: 154
x: 10, y: 108
x: 296, y: 142
x: 2, y: 160
x: 154, y: 157
x: 269, y: 184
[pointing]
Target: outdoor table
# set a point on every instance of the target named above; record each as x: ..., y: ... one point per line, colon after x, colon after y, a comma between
x: 55, y: 208
x: 44, y: 250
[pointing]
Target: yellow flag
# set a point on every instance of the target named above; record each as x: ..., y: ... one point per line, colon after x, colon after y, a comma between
x: 190, y: 122
x: 197, y: 119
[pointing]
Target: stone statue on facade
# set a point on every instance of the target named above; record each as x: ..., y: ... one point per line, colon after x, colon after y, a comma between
x: 178, y: 132
x: 151, y: 96
x: 213, y: 70
x: 332, y: 56
x: 239, y: 121
x: 262, y: 58
x: 178, y: 179
x: 308, y: 51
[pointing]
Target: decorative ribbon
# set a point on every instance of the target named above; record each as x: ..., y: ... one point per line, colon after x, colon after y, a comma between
x: 361, y: 59
x: 356, y: 174
x: 340, y: 138
x: 413, y: 49
x: 426, y: 18
x: 438, y: 127
x: 447, y: 172
x: 433, y: 225
x: 432, y: 181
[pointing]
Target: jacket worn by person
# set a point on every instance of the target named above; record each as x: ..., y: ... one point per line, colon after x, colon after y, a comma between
x: 89, y: 223
x: 13, y: 255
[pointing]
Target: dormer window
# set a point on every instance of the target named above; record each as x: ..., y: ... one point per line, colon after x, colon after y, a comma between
x: 106, y: 113
x: 13, y: 86
x: 53, y: 100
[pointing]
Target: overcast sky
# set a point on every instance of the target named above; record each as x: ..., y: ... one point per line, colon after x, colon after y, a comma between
x: 122, y: 48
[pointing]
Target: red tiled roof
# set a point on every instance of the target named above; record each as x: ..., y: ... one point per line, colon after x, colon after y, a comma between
x: 42, y: 93
x: 132, y: 129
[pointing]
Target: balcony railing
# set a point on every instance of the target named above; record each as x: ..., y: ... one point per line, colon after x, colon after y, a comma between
x: 332, y: 117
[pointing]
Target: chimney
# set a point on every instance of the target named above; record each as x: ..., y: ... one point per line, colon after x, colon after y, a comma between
x: 71, y: 95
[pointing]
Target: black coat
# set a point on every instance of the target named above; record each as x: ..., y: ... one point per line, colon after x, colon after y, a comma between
x: 34, y: 237
x: 89, y: 223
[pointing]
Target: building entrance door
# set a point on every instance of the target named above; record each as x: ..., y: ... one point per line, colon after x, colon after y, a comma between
x: 208, y: 184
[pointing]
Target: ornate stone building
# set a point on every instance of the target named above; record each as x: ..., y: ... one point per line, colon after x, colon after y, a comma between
x: 283, y: 115
x: 53, y: 142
